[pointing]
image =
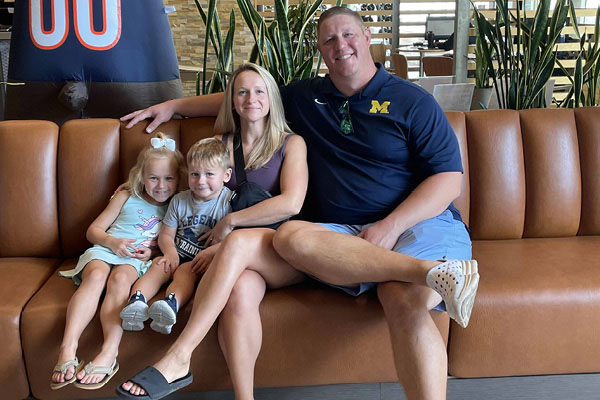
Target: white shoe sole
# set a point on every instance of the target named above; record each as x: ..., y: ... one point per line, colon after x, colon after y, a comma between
x: 461, y: 307
x: 134, y: 315
x: 163, y: 317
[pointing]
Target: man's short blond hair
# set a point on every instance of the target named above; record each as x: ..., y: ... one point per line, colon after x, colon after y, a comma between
x: 333, y: 11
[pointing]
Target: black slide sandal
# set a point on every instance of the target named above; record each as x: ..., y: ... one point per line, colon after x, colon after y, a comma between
x: 155, y: 385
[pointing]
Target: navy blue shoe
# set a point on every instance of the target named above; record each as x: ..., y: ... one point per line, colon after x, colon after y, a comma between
x: 163, y: 314
x: 135, y: 313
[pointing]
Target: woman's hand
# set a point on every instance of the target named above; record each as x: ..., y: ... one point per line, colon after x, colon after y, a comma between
x: 122, y: 247
x: 202, y: 261
x: 219, y: 232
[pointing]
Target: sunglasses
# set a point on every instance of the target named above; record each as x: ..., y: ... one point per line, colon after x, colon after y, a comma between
x: 346, y: 122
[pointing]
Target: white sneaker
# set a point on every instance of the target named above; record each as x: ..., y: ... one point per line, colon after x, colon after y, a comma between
x: 163, y: 314
x: 135, y: 313
x: 456, y: 281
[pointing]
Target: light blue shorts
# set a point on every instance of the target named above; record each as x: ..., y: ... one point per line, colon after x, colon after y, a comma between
x: 437, y: 238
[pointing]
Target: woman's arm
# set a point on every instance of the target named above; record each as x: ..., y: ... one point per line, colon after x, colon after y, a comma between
x: 197, y: 106
x: 96, y: 233
x: 293, y: 182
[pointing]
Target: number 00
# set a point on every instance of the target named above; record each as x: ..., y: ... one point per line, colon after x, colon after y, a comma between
x: 83, y: 22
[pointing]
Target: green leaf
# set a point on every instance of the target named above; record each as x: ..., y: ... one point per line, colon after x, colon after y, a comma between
x: 578, y: 85
x: 285, y: 41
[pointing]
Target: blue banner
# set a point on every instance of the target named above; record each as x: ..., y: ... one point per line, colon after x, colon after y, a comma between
x: 92, y: 40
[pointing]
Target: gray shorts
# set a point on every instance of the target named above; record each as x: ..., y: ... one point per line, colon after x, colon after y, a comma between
x: 437, y: 238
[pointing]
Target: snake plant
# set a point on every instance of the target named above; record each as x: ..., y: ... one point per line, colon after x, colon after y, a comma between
x: 222, y: 49
x: 520, y: 52
x: 585, y: 84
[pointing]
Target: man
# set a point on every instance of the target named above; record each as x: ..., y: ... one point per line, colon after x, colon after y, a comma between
x: 384, y: 168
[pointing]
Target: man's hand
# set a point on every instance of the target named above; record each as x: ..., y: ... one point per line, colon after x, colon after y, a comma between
x: 202, y: 261
x: 159, y: 113
x: 122, y: 247
x: 381, y: 234
x: 143, y: 253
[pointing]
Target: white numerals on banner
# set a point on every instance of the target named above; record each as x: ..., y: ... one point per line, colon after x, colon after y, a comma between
x: 83, y: 17
x: 53, y: 38
x: 111, y: 23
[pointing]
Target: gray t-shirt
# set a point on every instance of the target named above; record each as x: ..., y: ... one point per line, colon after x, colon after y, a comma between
x: 193, y: 218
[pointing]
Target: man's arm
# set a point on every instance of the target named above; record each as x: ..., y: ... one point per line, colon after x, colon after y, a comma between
x: 430, y: 198
x: 197, y: 106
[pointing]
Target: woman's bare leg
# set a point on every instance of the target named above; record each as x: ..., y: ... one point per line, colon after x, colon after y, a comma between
x: 243, y: 249
x: 80, y: 311
x: 117, y: 293
x: 240, y: 332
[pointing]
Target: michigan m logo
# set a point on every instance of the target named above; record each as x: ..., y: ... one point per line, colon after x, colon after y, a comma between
x: 379, y: 108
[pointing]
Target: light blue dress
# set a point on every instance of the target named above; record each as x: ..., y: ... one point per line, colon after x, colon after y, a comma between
x: 138, y: 220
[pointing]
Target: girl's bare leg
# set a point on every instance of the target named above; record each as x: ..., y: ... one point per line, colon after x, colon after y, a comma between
x: 80, y: 311
x: 240, y: 332
x: 243, y: 249
x: 117, y: 293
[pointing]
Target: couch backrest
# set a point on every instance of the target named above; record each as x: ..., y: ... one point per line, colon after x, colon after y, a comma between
x: 28, y: 199
x: 533, y: 173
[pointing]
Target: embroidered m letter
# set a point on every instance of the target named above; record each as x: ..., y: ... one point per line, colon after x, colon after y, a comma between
x: 379, y: 108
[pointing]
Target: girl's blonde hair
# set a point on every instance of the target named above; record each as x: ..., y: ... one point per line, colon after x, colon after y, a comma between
x: 135, y: 183
x: 209, y: 152
x: 276, y: 129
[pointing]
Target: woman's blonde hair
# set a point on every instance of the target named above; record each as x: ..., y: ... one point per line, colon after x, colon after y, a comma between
x: 210, y: 152
x: 135, y: 183
x: 276, y: 129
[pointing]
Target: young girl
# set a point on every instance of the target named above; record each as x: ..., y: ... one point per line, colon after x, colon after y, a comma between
x: 124, y: 235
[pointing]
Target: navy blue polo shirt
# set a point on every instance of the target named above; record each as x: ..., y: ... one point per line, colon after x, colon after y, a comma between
x: 401, y: 136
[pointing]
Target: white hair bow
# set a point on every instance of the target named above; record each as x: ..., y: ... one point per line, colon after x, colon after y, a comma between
x: 157, y: 143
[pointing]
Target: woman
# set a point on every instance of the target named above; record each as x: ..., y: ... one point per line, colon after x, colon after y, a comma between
x: 244, y: 263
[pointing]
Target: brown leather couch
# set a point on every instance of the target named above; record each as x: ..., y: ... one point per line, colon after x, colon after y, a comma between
x: 531, y: 197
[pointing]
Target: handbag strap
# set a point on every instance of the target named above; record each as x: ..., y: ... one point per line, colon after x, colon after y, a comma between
x: 238, y: 157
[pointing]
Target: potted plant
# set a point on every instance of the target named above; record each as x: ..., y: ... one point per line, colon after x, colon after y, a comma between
x: 483, y: 88
x: 280, y: 50
x: 285, y: 46
x: 520, y: 52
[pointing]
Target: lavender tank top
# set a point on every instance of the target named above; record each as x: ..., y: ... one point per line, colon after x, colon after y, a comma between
x: 266, y: 176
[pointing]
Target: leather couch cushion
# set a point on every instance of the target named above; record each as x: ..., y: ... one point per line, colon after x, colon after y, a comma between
x: 458, y: 122
x: 497, y: 174
x: 537, y: 310
x: 552, y: 173
x: 28, y: 206
x: 589, y: 150
x: 21, y: 278
x: 88, y: 166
